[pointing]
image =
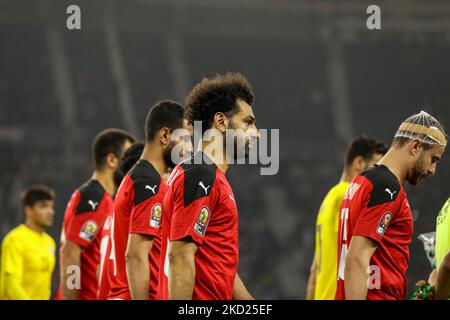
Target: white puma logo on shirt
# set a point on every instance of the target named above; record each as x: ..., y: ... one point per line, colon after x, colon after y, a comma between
x: 93, y: 204
x: 203, y: 186
x: 153, y: 189
x: 391, y: 193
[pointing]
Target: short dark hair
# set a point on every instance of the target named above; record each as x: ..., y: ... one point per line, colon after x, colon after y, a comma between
x: 131, y: 156
x: 365, y: 147
x: 35, y: 193
x: 109, y: 141
x: 217, y: 94
x: 164, y: 114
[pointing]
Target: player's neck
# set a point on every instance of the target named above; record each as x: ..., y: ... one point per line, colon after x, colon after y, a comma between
x: 154, y: 154
x: 34, y: 226
x: 106, y: 180
x: 219, y: 158
x: 395, y: 162
x: 348, y: 175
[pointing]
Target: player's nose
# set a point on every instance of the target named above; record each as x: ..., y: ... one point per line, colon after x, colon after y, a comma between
x: 432, y: 170
x: 189, y: 148
x: 255, y: 133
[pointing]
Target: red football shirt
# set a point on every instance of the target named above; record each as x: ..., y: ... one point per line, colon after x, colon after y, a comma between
x: 84, y: 218
x: 376, y: 207
x: 199, y: 203
x: 137, y: 210
x: 105, y: 261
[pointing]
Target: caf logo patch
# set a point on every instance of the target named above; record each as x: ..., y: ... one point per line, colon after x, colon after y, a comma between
x: 202, y: 221
x: 89, y: 230
x: 384, y: 223
x: 155, y: 216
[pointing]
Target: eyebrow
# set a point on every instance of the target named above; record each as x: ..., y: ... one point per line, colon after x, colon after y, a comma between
x: 250, y: 119
x: 436, y: 158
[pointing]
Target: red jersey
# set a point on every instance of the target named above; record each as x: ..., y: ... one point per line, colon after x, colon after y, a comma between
x: 199, y: 203
x: 105, y: 261
x: 137, y: 210
x: 84, y: 218
x: 376, y: 207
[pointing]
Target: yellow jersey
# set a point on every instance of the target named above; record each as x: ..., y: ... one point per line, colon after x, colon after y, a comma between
x: 442, y: 233
x: 326, y: 250
x: 27, y: 264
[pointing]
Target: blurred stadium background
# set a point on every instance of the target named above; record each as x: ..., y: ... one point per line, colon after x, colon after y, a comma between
x: 319, y: 75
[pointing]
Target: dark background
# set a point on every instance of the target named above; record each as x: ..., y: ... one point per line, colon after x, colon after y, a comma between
x: 319, y: 75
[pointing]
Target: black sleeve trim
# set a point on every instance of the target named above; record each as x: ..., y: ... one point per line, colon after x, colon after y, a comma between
x: 198, y: 181
x: 91, y: 194
x: 146, y: 181
x: 385, y: 186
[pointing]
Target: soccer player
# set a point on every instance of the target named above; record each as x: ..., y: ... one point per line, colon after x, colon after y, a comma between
x: 85, y: 217
x: 28, y: 252
x: 363, y: 152
x: 376, y: 226
x: 130, y: 157
x: 443, y: 253
x: 200, y: 217
x: 136, y: 234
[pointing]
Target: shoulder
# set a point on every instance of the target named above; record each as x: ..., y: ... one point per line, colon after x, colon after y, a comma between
x: 14, y: 235
x: 199, y: 172
x: 338, y: 191
x: 144, y: 170
x: 50, y: 240
x: 146, y: 181
x: 385, y: 187
x: 90, y: 193
x: 198, y: 180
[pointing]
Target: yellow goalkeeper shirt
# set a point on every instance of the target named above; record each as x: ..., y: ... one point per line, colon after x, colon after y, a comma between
x: 27, y: 263
x: 443, y: 233
x: 326, y: 250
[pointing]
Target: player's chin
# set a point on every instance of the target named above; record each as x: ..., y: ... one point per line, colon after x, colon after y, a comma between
x: 416, y: 180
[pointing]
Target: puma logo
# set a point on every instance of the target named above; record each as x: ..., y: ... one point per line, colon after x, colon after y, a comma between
x: 151, y: 188
x: 203, y: 186
x: 390, y: 192
x: 93, y: 204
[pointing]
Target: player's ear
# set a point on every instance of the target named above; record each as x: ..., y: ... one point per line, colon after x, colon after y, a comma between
x: 164, y: 136
x: 415, y: 147
x: 358, y: 163
x: 112, y: 161
x: 220, y: 122
x: 28, y: 210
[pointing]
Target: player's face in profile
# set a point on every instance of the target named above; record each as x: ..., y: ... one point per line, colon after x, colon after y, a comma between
x: 42, y: 213
x: 246, y: 133
x: 182, y: 140
x: 425, y: 165
x: 118, y: 174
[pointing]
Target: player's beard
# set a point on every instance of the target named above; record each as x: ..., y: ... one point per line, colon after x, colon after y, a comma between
x: 43, y: 221
x: 417, y: 172
x: 167, y: 155
x: 238, y: 143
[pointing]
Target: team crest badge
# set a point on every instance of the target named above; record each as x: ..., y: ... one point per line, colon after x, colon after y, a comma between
x: 89, y: 230
x: 155, y: 216
x: 202, y: 221
x: 384, y: 223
